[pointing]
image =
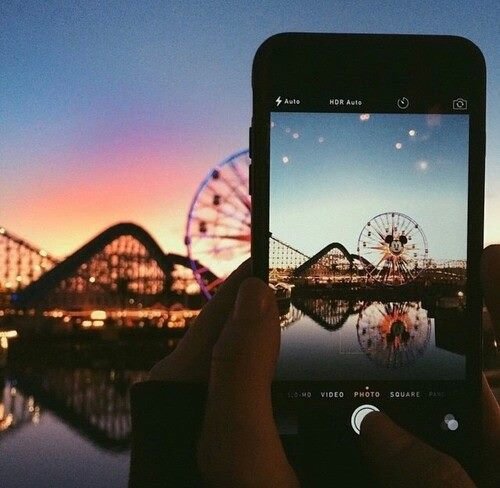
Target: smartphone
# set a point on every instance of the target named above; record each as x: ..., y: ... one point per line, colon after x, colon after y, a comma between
x: 367, y: 184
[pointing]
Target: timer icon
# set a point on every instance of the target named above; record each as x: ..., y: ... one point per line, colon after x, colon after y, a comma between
x: 403, y: 103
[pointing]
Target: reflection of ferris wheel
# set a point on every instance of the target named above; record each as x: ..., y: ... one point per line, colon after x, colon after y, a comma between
x: 393, y: 334
x: 393, y: 248
x: 218, y: 225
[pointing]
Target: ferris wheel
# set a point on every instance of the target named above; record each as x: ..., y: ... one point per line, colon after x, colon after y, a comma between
x: 218, y: 223
x: 393, y: 249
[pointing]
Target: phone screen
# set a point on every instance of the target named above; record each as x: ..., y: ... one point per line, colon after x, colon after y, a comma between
x: 368, y: 246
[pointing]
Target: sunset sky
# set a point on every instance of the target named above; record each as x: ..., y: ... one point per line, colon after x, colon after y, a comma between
x: 332, y: 173
x: 116, y: 111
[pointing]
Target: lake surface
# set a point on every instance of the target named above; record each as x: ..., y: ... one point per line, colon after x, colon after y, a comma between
x: 65, y: 427
x: 326, y: 339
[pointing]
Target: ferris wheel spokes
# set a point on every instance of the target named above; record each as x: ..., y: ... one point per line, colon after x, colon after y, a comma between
x: 218, y: 226
x: 398, y: 246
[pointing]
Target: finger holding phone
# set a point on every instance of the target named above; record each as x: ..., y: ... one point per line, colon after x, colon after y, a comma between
x: 240, y: 443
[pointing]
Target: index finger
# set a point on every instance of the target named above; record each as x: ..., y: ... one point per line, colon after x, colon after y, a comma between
x: 395, y: 456
x: 203, y: 334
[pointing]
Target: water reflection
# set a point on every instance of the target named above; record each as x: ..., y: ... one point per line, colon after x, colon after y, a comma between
x: 393, y: 334
x: 327, y: 313
x: 94, y: 403
x: 339, y: 339
x: 16, y: 409
x: 291, y: 316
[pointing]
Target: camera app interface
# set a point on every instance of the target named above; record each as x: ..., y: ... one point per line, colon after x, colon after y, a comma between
x: 368, y: 245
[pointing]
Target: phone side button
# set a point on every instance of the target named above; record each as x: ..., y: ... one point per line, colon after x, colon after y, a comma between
x: 250, y: 138
x: 250, y: 179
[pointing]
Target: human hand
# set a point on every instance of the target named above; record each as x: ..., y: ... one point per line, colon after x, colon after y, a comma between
x: 388, y: 448
x: 398, y: 458
x: 234, y: 344
x: 236, y: 350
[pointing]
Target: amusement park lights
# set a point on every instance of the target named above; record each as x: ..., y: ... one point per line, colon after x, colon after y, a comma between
x: 8, y: 334
x: 98, y: 315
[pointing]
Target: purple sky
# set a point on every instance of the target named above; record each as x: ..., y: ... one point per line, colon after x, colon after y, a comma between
x: 117, y: 110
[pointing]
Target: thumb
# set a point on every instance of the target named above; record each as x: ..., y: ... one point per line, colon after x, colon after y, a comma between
x: 395, y: 455
x: 240, y: 444
x: 244, y: 357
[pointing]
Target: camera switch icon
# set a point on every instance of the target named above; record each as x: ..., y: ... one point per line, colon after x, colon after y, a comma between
x: 449, y: 422
x: 359, y: 414
x: 459, y: 104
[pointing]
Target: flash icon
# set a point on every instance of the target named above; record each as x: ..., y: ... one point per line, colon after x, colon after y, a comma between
x: 278, y: 101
